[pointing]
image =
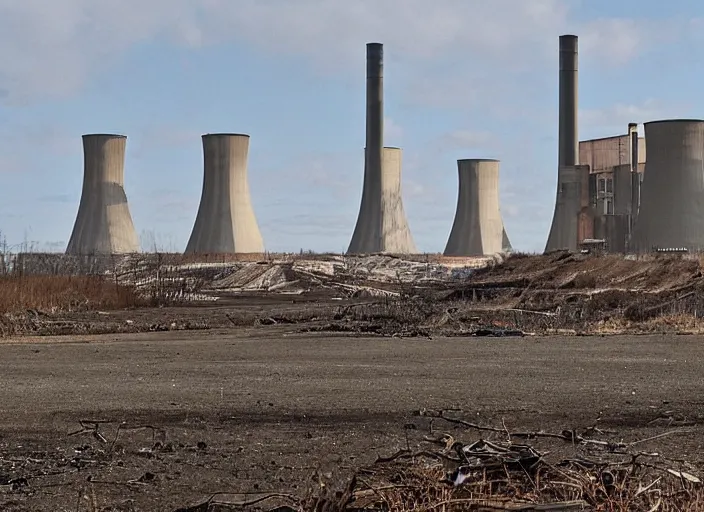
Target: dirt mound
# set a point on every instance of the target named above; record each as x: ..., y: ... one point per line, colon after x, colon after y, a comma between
x: 562, y: 270
x: 583, y: 293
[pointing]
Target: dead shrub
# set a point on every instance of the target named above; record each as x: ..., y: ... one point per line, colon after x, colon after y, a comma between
x: 585, y: 280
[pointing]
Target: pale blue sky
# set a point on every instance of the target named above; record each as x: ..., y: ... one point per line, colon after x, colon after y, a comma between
x: 463, y: 79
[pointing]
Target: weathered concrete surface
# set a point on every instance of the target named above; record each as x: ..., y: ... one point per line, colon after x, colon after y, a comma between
x: 564, y: 230
x: 395, y: 234
x: 381, y: 223
x: 225, y: 222
x: 382, y: 227
x: 672, y: 196
x: 103, y: 223
x: 602, y: 154
x: 478, y: 229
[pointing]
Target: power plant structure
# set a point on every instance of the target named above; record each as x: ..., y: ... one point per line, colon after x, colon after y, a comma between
x: 615, y: 167
x: 598, y: 184
x: 671, y: 212
x: 478, y: 228
x: 605, y: 198
x: 564, y: 231
x: 381, y: 224
x: 225, y: 222
x: 103, y: 224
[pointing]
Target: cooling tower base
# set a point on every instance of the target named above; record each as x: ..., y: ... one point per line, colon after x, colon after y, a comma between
x: 478, y: 229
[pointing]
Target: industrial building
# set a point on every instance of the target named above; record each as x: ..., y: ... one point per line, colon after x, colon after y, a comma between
x: 614, y: 185
x: 381, y: 223
x: 478, y: 228
x: 103, y: 224
x: 225, y: 222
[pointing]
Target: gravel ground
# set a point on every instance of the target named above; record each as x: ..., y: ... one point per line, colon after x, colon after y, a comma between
x: 263, y: 409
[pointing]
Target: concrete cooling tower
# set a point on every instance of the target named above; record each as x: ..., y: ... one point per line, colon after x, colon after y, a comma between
x: 381, y: 223
x: 671, y: 213
x: 478, y: 229
x: 564, y: 229
x: 103, y: 224
x: 225, y: 222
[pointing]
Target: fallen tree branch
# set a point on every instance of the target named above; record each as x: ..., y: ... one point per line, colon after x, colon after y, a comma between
x: 205, y: 505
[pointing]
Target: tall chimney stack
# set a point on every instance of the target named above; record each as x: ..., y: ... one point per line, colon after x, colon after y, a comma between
x: 375, y: 106
x: 367, y: 232
x: 568, y: 152
x: 381, y: 222
x: 564, y: 231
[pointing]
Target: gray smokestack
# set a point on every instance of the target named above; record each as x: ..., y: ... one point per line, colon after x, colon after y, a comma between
x: 568, y: 152
x: 367, y: 232
x: 381, y: 223
x: 564, y: 231
x: 375, y: 117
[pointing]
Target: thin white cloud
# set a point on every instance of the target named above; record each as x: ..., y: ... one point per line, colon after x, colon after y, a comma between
x: 510, y: 210
x: 466, y: 139
x: 393, y: 133
x: 21, y: 145
x: 614, y: 119
x: 413, y: 189
x: 617, y: 41
x: 156, y: 137
x: 50, y: 49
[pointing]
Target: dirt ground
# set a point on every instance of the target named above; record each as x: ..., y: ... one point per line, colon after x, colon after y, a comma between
x: 186, y: 414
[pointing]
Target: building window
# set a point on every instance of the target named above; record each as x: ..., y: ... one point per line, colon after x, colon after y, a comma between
x: 610, y: 186
x: 602, y: 185
x: 609, y: 206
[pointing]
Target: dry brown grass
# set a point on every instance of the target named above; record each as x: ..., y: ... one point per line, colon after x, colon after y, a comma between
x: 63, y: 293
x: 601, y: 474
x: 419, y: 486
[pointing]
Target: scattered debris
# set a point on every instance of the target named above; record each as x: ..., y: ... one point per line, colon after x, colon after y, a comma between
x: 504, y: 475
x: 501, y: 469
